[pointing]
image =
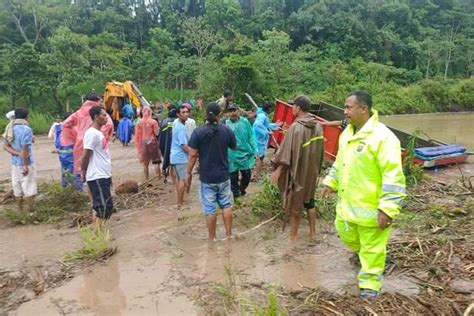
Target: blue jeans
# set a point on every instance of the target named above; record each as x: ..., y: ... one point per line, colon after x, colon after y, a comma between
x: 67, y: 172
x: 213, y: 194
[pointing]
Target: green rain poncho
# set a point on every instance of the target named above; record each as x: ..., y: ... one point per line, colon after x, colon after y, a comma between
x: 243, y: 156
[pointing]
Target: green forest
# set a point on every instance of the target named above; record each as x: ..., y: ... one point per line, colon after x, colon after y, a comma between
x: 414, y: 56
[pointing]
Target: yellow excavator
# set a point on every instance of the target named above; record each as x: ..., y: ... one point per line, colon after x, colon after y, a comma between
x: 118, y: 93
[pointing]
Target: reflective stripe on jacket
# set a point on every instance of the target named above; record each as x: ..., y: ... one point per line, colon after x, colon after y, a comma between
x: 367, y: 174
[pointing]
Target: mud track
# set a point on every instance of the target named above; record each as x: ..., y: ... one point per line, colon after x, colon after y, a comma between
x: 164, y: 264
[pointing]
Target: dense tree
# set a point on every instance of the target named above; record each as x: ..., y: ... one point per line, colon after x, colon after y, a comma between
x: 419, y: 53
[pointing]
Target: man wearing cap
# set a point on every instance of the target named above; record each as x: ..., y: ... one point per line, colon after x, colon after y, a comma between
x: 297, y: 166
x: 241, y: 158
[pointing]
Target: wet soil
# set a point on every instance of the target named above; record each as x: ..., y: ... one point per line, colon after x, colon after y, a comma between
x: 165, y: 265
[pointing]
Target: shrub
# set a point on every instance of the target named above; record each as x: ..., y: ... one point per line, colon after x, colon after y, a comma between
x: 95, y: 244
x: 40, y: 122
x: 436, y: 93
x: 51, y: 205
x: 267, y: 203
x: 462, y: 93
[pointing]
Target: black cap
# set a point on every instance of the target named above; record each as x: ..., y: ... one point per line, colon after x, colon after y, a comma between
x: 93, y: 96
x: 232, y: 106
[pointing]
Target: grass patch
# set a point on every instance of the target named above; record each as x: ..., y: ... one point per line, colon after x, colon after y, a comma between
x: 267, y: 203
x: 95, y: 245
x: 40, y: 123
x: 227, y: 290
x: 326, y: 208
x: 271, y: 307
x: 435, y: 218
x: 413, y: 172
x: 52, y: 204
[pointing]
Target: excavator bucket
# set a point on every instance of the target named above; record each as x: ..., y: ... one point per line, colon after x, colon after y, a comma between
x: 116, y: 92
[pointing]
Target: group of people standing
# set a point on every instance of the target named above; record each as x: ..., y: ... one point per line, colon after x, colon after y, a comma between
x: 367, y: 174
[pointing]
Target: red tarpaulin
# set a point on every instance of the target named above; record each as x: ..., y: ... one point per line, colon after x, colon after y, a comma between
x: 283, y: 113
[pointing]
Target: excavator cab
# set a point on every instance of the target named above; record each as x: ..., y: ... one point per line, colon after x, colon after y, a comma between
x: 117, y: 94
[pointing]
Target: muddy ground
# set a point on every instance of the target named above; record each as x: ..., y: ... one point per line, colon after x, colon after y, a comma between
x: 165, y: 266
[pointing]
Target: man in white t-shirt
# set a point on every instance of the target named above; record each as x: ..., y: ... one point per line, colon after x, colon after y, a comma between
x: 96, y: 167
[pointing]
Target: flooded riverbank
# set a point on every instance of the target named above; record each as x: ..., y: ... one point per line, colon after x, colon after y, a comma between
x: 452, y: 128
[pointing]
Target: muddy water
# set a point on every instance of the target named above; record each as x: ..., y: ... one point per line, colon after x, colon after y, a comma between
x: 453, y: 128
x: 165, y: 266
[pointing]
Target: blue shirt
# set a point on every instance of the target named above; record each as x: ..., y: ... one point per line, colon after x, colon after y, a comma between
x: 179, y: 138
x: 22, y: 135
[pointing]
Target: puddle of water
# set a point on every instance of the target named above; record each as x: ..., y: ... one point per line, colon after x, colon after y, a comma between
x: 136, y: 286
x: 276, y: 261
x: 162, y: 264
x: 35, y: 244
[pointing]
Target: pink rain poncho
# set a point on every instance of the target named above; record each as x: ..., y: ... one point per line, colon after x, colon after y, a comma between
x: 145, y: 138
x: 74, y: 128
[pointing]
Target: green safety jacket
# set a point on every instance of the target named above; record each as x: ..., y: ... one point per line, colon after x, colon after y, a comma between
x: 367, y: 174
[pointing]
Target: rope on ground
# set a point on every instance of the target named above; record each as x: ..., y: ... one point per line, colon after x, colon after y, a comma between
x: 253, y: 228
x: 469, y: 310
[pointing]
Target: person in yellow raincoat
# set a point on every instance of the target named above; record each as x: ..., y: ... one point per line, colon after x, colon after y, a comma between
x: 368, y: 178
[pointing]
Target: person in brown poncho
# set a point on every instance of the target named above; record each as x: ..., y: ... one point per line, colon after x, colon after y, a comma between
x: 297, y: 165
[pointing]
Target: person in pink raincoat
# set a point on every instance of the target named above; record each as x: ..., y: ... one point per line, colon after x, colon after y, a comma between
x: 76, y: 125
x: 146, y: 141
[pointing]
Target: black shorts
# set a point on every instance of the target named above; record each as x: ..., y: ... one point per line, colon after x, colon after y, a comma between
x: 101, y: 197
x: 310, y: 204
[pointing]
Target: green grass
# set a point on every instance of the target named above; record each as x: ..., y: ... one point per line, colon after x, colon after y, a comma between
x: 413, y: 172
x: 153, y: 93
x: 95, y: 244
x: 52, y: 204
x: 228, y: 290
x: 271, y: 307
x: 39, y: 122
x: 326, y: 208
x: 267, y: 203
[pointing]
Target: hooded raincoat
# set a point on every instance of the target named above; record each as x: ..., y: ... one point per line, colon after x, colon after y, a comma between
x: 243, y: 156
x: 301, y: 155
x: 74, y: 128
x: 125, y: 130
x: 165, y: 139
x: 146, y: 142
x: 262, y: 129
x: 367, y: 176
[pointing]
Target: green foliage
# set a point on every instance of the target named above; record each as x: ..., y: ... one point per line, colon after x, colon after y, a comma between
x: 326, y: 208
x: 271, y: 307
x: 462, y: 94
x: 40, y: 122
x: 413, y: 172
x: 52, y: 204
x: 413, y: 56
x: 95, y: 244
x: 227, y: 290
x: 267, y: 203
x: 436, y: 92
x: 435, y: 216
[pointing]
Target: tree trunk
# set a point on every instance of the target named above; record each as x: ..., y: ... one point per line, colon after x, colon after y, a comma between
x: 428, y: 68
x: 68, y: 101
x: 54, y: 92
